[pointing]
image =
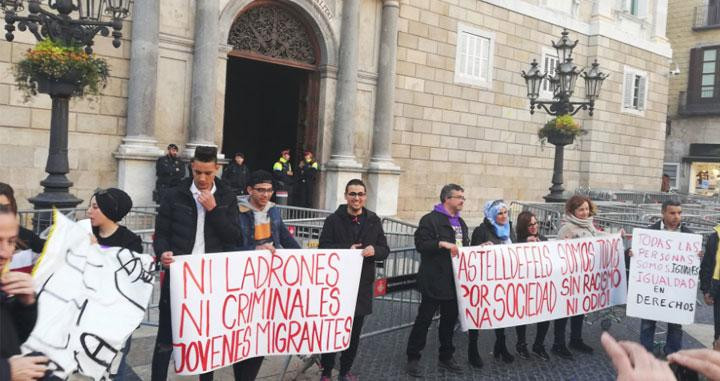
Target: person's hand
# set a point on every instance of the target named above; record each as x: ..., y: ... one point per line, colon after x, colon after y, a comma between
x: 705, y: 361
x: 532, y: 238
x: 368, y: 251
x: 27, y: 368
x: 20, y: 285
x: 207, y: 200
x: 355, y: 245
x: 488, y: 243
x: 449, y: 246
x: 630, y: 253
x: 289, y: 173
x: 701, y: 254
x: 266, y: 246
x: 709, y: 300
x: 633, y: 362
x: 166, y: 258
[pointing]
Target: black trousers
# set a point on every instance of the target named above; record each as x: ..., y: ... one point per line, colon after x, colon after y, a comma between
x: 716, y: 314
x: 246, y: 370
x: 576, y: 323
x: 327, y: 360
x: 542, y: 330
x: 448, y: 318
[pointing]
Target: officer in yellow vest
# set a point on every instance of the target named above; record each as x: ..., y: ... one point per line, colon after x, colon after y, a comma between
x: 283, y: 177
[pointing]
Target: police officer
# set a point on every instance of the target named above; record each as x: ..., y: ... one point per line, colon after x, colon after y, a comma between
x: 169, y: 171
x: 283, y: 177
x: 306, y: 185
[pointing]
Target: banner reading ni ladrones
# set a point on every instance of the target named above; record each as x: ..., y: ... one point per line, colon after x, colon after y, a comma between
x: 506, y: 285
x: 228, y: 307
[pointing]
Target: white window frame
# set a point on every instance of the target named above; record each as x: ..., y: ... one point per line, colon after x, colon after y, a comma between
x: 677, y: 174
x: 642, y: 8
x: 642, y: 90
x: 467, y: 78
x: 546, y: 94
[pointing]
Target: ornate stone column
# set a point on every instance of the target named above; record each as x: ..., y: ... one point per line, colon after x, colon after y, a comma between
x: 138, y: 151
x: 204, y: 76
x: 383, y: 174
x: 343, y: 166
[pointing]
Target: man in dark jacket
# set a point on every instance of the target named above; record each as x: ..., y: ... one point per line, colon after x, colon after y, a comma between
x: 439, y: 235
x: 236, y: 174
x: 199, y: 216
x: 352, y: 226
x: 18, y: 308
x: 671, y: 221
x: 284, y: 177
x: 260, y: 221
x: 710, y: 279
x: 169, y: 171
x: 305, y: 187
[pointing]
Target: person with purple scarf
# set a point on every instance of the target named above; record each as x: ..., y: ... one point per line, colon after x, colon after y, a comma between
x: 496, y: 229
x: 439, y: 235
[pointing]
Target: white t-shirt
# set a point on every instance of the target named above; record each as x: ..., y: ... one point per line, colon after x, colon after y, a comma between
x: 199, y: 246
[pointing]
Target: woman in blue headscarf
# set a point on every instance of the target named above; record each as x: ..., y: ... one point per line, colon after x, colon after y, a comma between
x: 496, y: 229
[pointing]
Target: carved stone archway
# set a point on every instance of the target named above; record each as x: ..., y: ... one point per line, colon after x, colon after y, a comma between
x: 272, y: 32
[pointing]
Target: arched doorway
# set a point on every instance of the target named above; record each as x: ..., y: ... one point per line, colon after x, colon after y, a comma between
x: 272, y: 85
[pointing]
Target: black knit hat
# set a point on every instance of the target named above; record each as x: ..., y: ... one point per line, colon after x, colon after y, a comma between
x: 113, y: 203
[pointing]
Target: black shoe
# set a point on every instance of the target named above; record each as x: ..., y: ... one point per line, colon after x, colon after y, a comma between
x: 474, y: 358
x: 539, y: 351
x: 522, y: 351
x: 503, y: 352
x: 562, y: 352
x: 581, y: 347
x: 413, y: 368
x: 451, y: 365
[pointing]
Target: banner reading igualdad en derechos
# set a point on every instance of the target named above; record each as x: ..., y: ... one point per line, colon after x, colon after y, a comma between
x: 228, y: 307
x: 506, y: 285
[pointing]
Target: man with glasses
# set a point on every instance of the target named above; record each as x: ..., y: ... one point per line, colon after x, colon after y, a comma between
x: 198, y: 216
x: 352, y: 226
x: 260, y: 221
x: 439, y: 235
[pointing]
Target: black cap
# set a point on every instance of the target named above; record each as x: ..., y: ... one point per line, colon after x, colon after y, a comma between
x: 114, y: 203
x: 172, y: 145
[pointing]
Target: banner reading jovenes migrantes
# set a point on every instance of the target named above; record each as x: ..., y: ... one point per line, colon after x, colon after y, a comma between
x: 507, y: 285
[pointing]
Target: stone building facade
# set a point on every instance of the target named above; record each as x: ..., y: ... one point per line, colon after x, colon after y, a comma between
x: 692, y: 147
x: 408, y: 94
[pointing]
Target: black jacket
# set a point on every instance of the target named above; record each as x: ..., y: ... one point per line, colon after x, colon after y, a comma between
x: 540, y: 237
x: 16, y: 323
x: 486, y: 232
x: 435, y: 276
x: 169, y: 172
x: 122, y: 237
x: 236, y: 177
x: 29, y: 240
x: 176, y: 221
x: 337, y: 233
x: 707, y: 266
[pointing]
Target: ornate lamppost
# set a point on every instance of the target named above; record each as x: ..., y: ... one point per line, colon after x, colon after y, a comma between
x: 53, y: 21
x: 562, y: 84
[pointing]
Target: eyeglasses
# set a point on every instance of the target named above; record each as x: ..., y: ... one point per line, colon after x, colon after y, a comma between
x: 264, y: 190
x: 356, y: 194
x: 458, y: 197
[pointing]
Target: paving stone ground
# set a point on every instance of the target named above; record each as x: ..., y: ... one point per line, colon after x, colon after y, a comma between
x: 382, y: 357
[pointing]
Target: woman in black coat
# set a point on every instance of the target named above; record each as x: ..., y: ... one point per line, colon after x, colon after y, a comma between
x: 496, y: 229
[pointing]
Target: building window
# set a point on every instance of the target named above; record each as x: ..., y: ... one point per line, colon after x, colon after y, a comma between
x: 634, y: 90
x: 637, y: 8
x: 548, y: 64
x: 672, y: 170
x: 703, y: 94
x: 474, y: 56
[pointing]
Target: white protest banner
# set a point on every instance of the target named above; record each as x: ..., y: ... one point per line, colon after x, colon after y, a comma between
x: 664, y: 275
x: 506, y: 285
x: 227, y: 307
x: 90, y: 300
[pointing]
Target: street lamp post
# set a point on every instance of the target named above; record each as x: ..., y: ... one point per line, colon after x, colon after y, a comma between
x: 562, y: 84
x: 54, y: 21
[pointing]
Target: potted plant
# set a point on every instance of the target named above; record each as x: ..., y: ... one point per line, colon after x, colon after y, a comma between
x: 55, y: 68
x: 561, y: 130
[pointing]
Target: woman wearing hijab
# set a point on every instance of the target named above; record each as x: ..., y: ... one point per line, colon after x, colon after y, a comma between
x: 496, y: 229
x: 578, y: 224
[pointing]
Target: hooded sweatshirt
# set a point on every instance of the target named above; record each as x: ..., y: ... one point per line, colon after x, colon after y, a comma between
x: 263, y: 231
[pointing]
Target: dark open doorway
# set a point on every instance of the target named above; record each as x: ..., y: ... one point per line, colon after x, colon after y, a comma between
x: 266, y: 110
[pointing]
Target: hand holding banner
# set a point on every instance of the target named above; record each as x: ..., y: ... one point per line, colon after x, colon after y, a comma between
x: 506, y: 285
x: 227, y: 307
x: 664, y: 275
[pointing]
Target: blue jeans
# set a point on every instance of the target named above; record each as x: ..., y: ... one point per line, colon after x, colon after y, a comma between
x: 674, y: 336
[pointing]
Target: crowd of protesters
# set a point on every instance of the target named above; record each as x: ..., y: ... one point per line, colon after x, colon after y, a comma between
x: 203, y: 214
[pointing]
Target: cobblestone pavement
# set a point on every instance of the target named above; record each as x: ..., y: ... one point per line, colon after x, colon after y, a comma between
x: 382, y: 357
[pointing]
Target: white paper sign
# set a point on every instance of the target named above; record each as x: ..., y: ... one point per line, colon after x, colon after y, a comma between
x: 664, y: 275
x: 227, y: 307
x: 507, y: 285
x: 90, y: 299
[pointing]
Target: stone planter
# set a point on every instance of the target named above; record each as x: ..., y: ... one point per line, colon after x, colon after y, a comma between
x: 65, y: 87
